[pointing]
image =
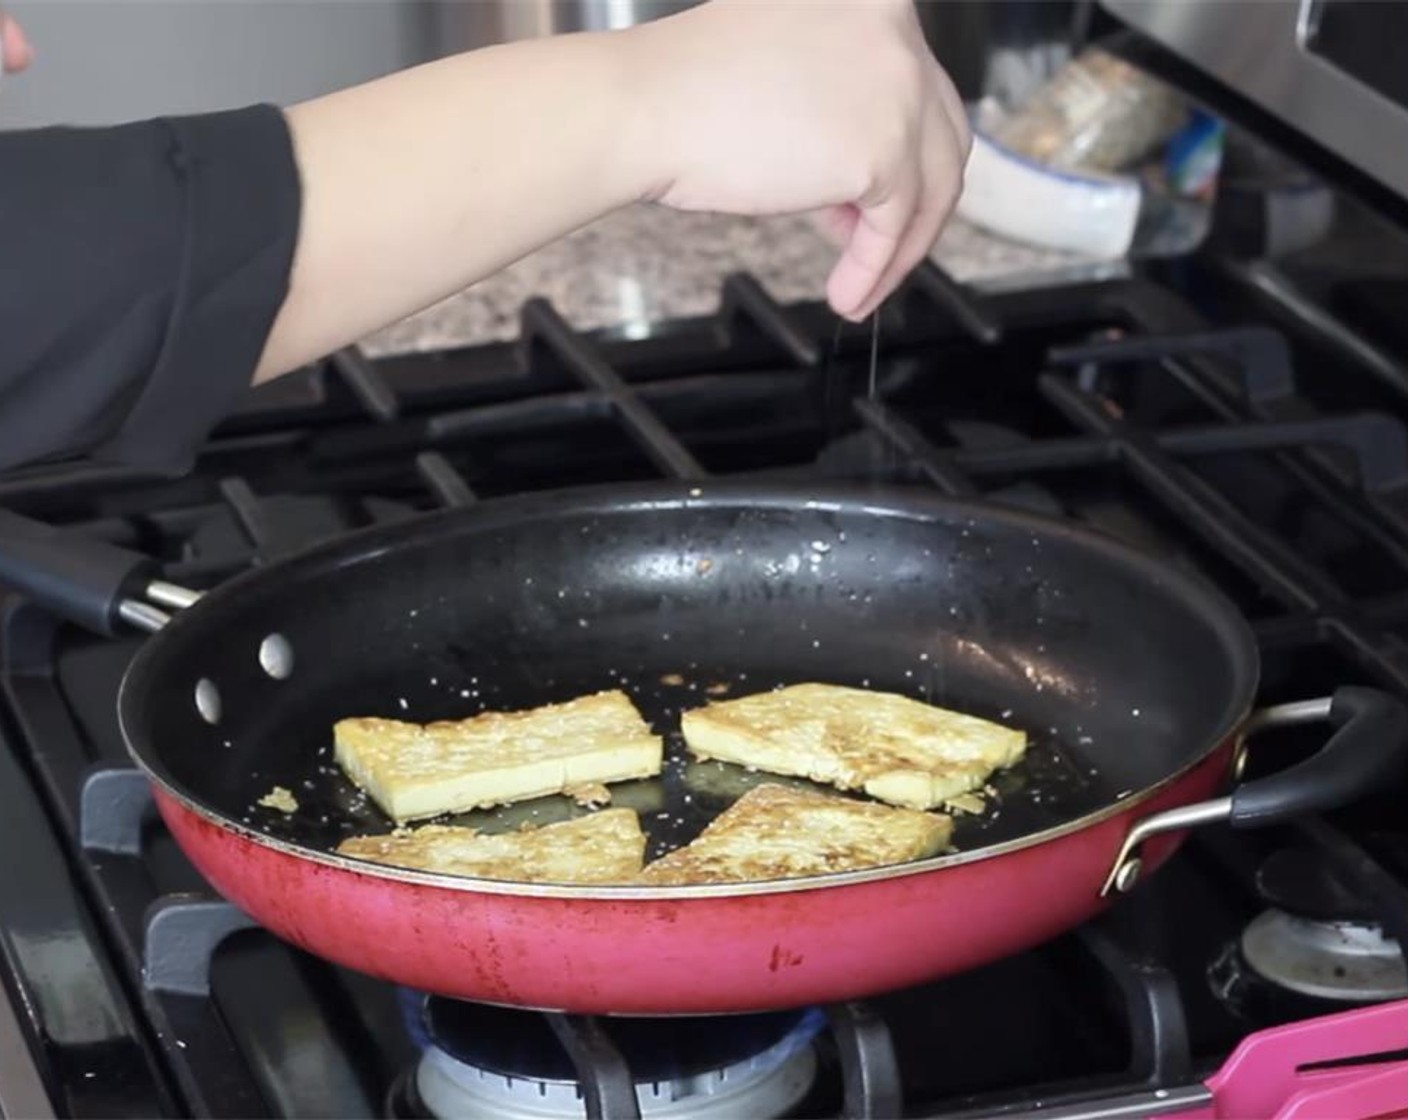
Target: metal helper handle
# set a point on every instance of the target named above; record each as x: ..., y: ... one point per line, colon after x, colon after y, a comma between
x: 1368, y: 748
x: 91, y: 583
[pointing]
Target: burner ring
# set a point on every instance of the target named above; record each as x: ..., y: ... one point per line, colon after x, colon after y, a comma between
x: 767, y: 1083
x: 521, y: 1044
x: 1345, y: 961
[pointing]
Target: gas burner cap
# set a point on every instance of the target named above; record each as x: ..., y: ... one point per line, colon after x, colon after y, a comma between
x: 1347, y: 961
x: 766, y: 1084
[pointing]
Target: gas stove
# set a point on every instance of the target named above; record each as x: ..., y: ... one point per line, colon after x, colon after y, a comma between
x: 1247, y: 418
x: 1248, y: 444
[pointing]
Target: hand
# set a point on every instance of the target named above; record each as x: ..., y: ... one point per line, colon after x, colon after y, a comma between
x: 783, y: 107
x: 15, y: 52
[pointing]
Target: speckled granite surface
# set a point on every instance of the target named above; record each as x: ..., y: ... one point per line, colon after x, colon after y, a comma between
x: 648, y: 263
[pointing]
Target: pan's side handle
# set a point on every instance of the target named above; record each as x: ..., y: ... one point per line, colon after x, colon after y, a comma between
x: 1368, y: 749
x: 91, y: 583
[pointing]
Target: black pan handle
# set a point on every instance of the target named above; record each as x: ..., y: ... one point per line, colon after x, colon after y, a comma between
x: 83, y: 580
x: 1368, y: 749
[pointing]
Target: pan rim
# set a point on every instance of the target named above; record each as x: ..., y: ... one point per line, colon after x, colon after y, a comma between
x: 910, y: 503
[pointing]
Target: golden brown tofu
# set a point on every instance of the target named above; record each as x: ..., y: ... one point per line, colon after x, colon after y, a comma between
x: 774, y: 832
x: 606, y: 847
x: 414, y: 771
x: 894, y: 748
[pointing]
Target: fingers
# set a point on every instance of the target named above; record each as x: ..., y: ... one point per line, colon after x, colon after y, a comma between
x: 879, y: 231
x: 15, y: 50
x: 941, y: 153
x: 937, y: 196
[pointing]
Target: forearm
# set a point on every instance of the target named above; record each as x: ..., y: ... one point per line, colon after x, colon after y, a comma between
x: 419, y: 184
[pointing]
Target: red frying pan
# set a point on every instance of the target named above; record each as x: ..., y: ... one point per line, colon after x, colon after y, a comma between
x: 1134, y: 679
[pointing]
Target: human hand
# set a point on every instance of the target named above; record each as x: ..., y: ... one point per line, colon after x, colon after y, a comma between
x: 784, y: 107
x: 15, y: 52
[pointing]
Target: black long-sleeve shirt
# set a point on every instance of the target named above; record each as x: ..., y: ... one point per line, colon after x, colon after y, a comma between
x: 141, y: 267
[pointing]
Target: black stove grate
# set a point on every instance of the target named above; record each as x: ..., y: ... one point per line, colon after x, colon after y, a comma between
x: 1111, y: 402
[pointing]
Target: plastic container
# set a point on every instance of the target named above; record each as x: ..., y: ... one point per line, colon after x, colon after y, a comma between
x: 1097, y: 114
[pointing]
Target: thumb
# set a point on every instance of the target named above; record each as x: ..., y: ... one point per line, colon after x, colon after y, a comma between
x: 874, y: 241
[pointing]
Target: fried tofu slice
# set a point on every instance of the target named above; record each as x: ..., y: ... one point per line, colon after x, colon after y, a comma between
x: 415, y: 771
x: 606, y: 847
x: 892, y: 747
x: 774, y: 832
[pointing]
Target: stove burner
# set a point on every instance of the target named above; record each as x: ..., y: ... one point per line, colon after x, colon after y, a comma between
x: 1318, y: 947
x: 1318, y: 937
x: 1348, y: 961
x: 485, y: 1061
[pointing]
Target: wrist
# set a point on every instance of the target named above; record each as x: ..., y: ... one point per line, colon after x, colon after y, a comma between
x: 639, y: 128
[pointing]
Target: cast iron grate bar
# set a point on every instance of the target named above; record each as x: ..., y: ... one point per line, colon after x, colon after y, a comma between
x: 1378, y: 442
x: 744, y: 299
x: 447, y: 484
x: 1367, y: 877
x: 1263, y: 384
x: 1271, y: 565
x: 908, y: 441
x: 1160, y: 1053
x: 960, y: 304
x: 249, y: 514
x: 1258, y: 354
x: 532, y: 414
x: 608, y: 1089
x: 870, y: 1071
x: 698, y: 397
x: 194, y: 1041
x: 1271, y: 282
x: 183, y: 932
x: 1129, y: 946
x: 114, y: 803
x: 366, y: 384
x: 542, y: 322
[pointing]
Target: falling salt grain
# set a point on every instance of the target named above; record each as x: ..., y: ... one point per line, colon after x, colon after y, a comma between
x: 402, y: 701
x: 1134, y: 711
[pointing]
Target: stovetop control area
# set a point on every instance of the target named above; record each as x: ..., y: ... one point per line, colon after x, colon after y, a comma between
x: 1188, y: 410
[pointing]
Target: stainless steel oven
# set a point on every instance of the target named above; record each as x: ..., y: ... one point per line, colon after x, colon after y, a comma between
x: 1331, y: 69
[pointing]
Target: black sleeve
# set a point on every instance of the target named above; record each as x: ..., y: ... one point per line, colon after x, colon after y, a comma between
x: 141, y: 267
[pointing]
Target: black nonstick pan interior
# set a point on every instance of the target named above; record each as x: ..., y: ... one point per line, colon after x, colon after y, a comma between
x: 1121, y: 671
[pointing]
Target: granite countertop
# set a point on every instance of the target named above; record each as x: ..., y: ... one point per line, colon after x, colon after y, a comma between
x: 647, y: 263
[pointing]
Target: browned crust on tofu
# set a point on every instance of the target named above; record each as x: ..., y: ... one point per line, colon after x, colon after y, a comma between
x: 894, y: 748
x: 606, y: 847
x: 774, y: 832
x: 415, y: 771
